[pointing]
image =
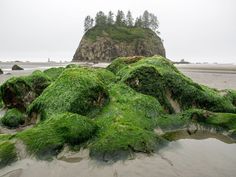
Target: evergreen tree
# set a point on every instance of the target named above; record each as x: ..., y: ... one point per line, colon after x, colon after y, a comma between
x: 146, y: 19
x: 129, y: 19
x: 138, y: 22
x: 154, y: 24
x: 120, y: 18
x: 101, y: 19
x: 88, y: 23
x: 110, y: 18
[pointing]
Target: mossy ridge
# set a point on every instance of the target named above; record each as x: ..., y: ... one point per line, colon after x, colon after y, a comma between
x: 19, y: 92
x: 72, y: 66
x: 119, y: 33
x: 224, y: 121
x: 1, y: 102
x: 4, y: 137
x: 54, y: 73
x: 127, y: 122
x: 77, y: 90
x: 49, y: 136
x: 231, y: 95
x: 7, y: 153
x: 106, y: 76
x: 13, y: 118
x: 156, y: 76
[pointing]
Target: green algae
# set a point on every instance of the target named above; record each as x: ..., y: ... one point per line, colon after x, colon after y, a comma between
x: 73, y: 66
x: 4, y: 137
x: 127, y: 122
x: 7, y: 153
x: 1, y: 102
x: 19, y: 92
x: 118, y: 108
x: 224, y: 120
x: 156, y: 76
x: 106, y: 76
x: 77, y: 90
x: 231, y: 95
x: 49, y: 136
x: 13, y: 118
x: 54, y: 73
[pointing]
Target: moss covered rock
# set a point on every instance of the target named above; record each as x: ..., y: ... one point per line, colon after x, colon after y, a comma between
x: 77, y: 90
x: 54, y: 73
x: 19, y: 92
x: 13, y: 118
x: 105, y: 43
x: 127, y: 122
x: 156, y: 76
x: 1, y: 102
x: 49, y: 136
x: 73, y: 66
x: 7, y: 153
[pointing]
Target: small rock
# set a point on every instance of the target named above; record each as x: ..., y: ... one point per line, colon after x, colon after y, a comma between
x: 16, y: 67
x: 1, y: 72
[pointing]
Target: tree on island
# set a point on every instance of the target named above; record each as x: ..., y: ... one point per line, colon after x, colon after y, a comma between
x: 129, y: 19
x: 110, y: 18
x: 138, y: 22
x: 101, y: 19
x: 120, y: 18
x: 88, y: 23
x: 147, y: 20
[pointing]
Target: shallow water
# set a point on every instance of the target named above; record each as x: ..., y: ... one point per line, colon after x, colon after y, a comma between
x: 186, y: 157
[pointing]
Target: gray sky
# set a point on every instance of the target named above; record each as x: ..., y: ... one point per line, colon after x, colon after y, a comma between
x: 196, y: 30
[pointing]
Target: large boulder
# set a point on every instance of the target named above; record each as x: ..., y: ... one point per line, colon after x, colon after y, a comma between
x: 19, y: 92
x: 77, y: 90
x: 110, y: 42
x: 157, y: 76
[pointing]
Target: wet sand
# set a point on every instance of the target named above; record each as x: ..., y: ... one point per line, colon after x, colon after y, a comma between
x: 220, y: 76
x: 181, y: 158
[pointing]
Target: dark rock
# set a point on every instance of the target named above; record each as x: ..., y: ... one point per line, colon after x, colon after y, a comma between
x: 1, y: 72
x: 110, y: 42
x: 16, y: 67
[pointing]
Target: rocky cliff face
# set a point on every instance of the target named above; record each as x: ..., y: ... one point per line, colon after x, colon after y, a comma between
x: 108, y: 43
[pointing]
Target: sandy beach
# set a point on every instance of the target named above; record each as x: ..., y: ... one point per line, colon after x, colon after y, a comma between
x: 185, y: 158
x: 220, y: 76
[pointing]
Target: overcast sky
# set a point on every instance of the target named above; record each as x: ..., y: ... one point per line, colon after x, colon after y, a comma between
x: 196, y: 30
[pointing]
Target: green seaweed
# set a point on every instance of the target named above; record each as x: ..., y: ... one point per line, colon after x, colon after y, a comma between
x: 1, y: 102
x: 49, y: 136
x: 7, y: 153
x: 127, y: 122
x: 19, y: 92
x: 54, y: 73
x: 106, y: 76
x: 77, y: 90
x: 4, y: 137
x: 73, y: 66
x: 13, y: 118
x: 224, y: 120
x: 116, y: 109
x: 156, y: 76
